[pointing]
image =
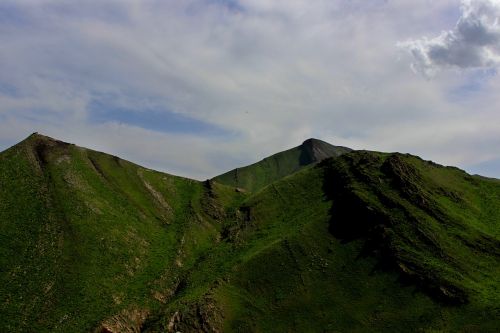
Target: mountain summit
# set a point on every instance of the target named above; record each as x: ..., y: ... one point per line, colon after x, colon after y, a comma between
x: 357, y: 242
x: 314, y: 150
x: 258, y: 175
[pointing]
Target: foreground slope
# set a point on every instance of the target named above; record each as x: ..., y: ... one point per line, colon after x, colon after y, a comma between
x: 361, y: 242
x: 255, y: 176
x: 85, y: 235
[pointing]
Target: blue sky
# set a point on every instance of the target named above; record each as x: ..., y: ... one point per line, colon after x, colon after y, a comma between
x: 155, y: 119
x: 198, y: 87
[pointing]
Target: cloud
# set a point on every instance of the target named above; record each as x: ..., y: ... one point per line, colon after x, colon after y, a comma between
x: 198, y: 87
x: 473, y: 43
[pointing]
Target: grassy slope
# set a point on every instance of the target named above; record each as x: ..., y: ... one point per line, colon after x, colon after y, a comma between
x: 440, y: 225
x: 364, y: 242
x: 258, y: 175
x: 350, y: 246
x: 85, y: 234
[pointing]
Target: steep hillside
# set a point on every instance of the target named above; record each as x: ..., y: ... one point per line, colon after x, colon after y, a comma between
x: 363, y: 242
x: 255, y: 176
x: 85, y: 235
x: 366, y: 242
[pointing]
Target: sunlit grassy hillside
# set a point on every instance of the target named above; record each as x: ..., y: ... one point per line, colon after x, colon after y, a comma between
x: 362, y: 241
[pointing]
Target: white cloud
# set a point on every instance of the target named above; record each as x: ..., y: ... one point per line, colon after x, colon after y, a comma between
x: 473, y: 43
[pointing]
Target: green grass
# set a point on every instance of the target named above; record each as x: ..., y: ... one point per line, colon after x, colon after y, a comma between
x: 94, y: 241
x: 258, y: 175
x: 365, y: 242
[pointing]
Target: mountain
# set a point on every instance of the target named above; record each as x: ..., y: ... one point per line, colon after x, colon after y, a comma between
x: 258, y: 175
x: 361, y: 242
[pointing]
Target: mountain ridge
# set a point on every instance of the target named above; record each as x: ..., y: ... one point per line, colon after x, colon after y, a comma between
x: 363, y: 241
x: 255, y: 176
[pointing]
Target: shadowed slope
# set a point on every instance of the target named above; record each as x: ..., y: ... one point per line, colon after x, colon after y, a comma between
x: 437, y: 225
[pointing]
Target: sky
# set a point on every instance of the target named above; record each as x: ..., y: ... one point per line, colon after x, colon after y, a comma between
x: 199, y: 87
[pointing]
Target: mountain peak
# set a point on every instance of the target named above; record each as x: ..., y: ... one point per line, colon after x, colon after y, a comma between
x: 36, y: 135
x: 315, y: 150
x: 258, y: 175
x: 37, y: 139
x: 40, y: 147
x: 312, y: 141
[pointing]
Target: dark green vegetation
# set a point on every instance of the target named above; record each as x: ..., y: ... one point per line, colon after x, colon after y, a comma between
x: 359, y: 242
x: 258, y: 175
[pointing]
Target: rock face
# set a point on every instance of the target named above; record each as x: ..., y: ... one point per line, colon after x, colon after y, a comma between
x: 127, y: 321
x: 203, y: 317
x: 314, y: 150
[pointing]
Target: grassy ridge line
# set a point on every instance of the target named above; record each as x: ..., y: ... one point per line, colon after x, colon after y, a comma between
x: 258, y: 175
